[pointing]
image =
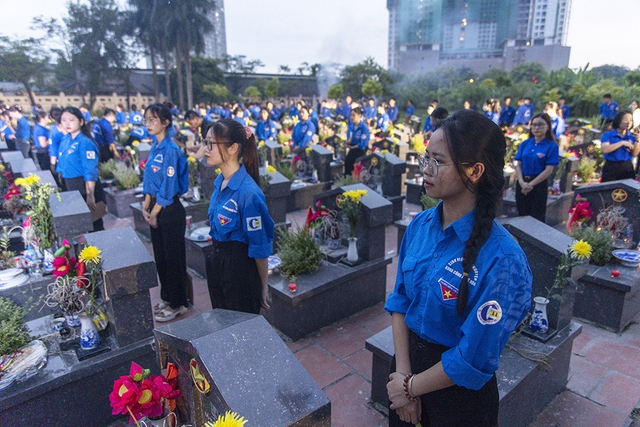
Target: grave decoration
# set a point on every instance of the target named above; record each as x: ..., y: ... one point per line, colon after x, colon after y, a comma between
x: 324, y: 224
x: 194, y: 190
x: 298, y: 253
x: 36, y: 199
x: 579, y: 213
x: 349, y: 204
x: 229, y: 419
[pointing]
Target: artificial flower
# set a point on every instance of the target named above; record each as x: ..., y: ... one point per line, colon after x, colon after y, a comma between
x: 135, y: 143
x: 229, y: 419
x: 91, y: 254
x: 124, y: 394
x: 260, y: 144
x: 581, y: 249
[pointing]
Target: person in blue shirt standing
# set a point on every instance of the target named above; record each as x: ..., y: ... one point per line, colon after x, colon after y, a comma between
x: 238, y: 116
x: 241, y: 228
x: 410, y: 110
x: 537, y: 157
x: 293, y: 110
x: 524, y: 113
x: 103, y: 134
x: 557, y: 122
x: 166, y: 177
x: 428, y: 128
x: 86, y: 114
x: 41, y: 140
x: 566, y: 110
x: 608, y: 110
x: 78, y: 161
x: 23, y: 131
x: 135, y: 117
x: 619, y: 147
x: 56, y: 134
x: 266, y: 128
x: 325, y: 112
x: 357, y: 140
x: 7, y: 130
x: 382, y: 122
x: 274, y: 113
x: 121, y: 116
x: 393, y: 110
x: 370, y: 111
x: 507, y: 114
x: 303, y: 132
x: 457, y: 298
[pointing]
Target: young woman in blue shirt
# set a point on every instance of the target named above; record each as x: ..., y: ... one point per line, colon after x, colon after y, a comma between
x: 357, y: 140
x: 241, y: 228
x: 266, y: 128
x: 303, y: 132
x: 536, y: 159
x: 463, y: 284
x: 41, y: 140
x: 619, y: 147
x: 78, y: 160
x: 23, y: 131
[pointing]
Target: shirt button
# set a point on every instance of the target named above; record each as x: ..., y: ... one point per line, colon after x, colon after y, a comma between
x: 435, y: 255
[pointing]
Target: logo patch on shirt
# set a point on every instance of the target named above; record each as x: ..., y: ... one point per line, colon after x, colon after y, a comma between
x: 540, y: 155
x: 91, y: 155
x: 158, y: 158
x: 447, y: 290
x: 231, y: 206
x: 254, y: 223
x: 489, y: 313
x: 170, y: 171
x: 309, y: 133
x: 224, y: 220
x: 155, y: 169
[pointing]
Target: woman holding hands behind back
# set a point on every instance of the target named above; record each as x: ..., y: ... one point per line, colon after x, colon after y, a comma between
x: 241, y: 228
x: 619, y: 147
x: 458, y: 298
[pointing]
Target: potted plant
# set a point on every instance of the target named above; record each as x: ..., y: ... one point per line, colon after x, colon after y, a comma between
x: 14, y: 333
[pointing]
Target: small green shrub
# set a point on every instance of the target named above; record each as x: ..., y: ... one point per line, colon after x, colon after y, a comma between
x: 107, y: 169
x: 344, y: 180
x: 600, y: 241
x: 298, y: 253
x: 125, y: 178
x: 13, y: 332
x: 286, y: 171
x: 586, y: 168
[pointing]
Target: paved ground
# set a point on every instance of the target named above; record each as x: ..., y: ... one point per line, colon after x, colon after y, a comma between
x: 604, y: 376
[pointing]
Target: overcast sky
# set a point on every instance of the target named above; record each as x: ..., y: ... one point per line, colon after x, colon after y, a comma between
x: 289, y: 32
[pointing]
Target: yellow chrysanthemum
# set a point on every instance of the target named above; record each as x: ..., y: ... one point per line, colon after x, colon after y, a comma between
x: 581, y: 249
x: 566, y: 154
x: 354, y: 195
x: 191, y: 159
x: 28, y: 197
x: 21, y: 182
x: 260, y: 144
x: 383, y: 152
x: 342, y: 137
x: 308, y: 150
x: 271, y: 169
x: 229, y: 419
x: 135, y: 143
x: 1, y: 168
x: 362, y: 193
x: 91, y: 254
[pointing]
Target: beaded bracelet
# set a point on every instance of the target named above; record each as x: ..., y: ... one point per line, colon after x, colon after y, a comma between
x: 405, y: 387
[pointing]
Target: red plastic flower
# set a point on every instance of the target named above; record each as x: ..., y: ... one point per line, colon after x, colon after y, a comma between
x: 149, y: 402
x: 61, y: 266
x: 125, y: 394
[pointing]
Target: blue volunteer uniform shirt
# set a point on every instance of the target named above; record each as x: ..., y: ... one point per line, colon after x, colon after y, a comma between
x: 55, y: 138
x: 536, y: 157
x: 609, y: 111
x: 78, y: 157
x: 383, y: 122
x: 293, y: 111
x: 135, y: 118
x: 410, y: 110
x: 507, y: 115
x: 303, y: 134
x: 325, y: 112
x: 103, y: 133
x: 393, y: 113
x: 39, y: 131
x: 523, y: 115
x: 314, y: 118
x: 359, y: 135
x: 166, y: 173
x: 621, y: 154
x: 4, y: 128
x: 566, y: 111
x: 558, y: 125
x: 426, y: 292
x: 23, y: 130
x: 266, y: 129
x: 370, y: 112
x: 240, y: 120
x: 495, y: 117
x: 255, y: 112
x: 87, y: 117
x: 239, y: 213
x: 274, y: 114
x: 427, y: 125
x: 141, y: 133
x: 346, y: 112
x: 121, y: 118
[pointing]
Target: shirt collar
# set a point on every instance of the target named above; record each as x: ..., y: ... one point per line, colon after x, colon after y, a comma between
x: 237, y: 178
x: 462, y: 227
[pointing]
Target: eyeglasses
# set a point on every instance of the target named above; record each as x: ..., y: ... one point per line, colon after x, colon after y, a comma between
x: 431, y: 164
x: 148, y: 122
x: 209, y: 143
x: 539, y: 125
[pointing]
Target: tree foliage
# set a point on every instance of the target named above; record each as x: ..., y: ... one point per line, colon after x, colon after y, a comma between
x: 23, y: 61
x: 354, y: 76
x: 336, y: 91
x: 371, y: 88
x: 272, y: 88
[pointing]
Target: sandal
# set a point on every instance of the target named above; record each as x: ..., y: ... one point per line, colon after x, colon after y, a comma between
x: 168, y: 314
x: 160, y: 306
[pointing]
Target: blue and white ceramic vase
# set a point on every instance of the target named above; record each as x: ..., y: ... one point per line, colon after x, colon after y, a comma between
x: 539, y: 321
x: 89, y: 338
x: 73, y: 320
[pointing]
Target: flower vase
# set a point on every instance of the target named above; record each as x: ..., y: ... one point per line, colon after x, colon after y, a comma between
x: 539, y: 321
x: 89, y: 338
x: 196, y: 194
x: 379, y: 188
x: 47, y: 262
x: 168, y: 420
x: 72, y: 320
x: 333, y: 244
x: 352, y: 251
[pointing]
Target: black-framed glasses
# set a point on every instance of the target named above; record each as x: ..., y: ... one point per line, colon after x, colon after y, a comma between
x: 209, y: 143
x: 539, y: 125
x: 431, y: 164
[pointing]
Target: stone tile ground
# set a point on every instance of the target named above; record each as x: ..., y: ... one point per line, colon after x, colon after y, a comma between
x: 604, y: 375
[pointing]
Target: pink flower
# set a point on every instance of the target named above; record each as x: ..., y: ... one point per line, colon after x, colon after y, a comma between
x: 125, y: 393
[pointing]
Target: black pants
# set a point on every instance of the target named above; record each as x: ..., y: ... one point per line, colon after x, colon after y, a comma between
x: 232, y: 278
x: 613, y: 171
x: 41, y: 156
x: 535, y: 202
x: 72, y: 184
x: 453, y: 406
x: 350, y: 160
x: 105, y: 154
x: 170, y: 254
x: 24, y: 146
x: 11, y: 144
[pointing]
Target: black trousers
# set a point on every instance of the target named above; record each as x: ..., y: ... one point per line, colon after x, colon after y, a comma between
x: 453, y: 406
x: 24, y: 146
x: 105, y: 154
x: 72, y: 184
x: 350, y: 160
x: 613, y: 171
x: 11, y: 144
x: 170, y: 254
x: 534, y: 203
x: 42, y: 158
x: 232, y: 278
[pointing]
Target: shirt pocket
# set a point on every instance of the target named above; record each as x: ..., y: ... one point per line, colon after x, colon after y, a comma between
x: 412, y: 282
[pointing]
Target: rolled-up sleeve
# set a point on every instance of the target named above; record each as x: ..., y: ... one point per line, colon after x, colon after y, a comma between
x: 257, y: 226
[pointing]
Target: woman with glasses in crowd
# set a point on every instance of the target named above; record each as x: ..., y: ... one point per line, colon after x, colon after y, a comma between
x: 536, y: 159
x: 457, y: 299
x: 166, y: 177
x: 619, y: 147
x: 241, y: 228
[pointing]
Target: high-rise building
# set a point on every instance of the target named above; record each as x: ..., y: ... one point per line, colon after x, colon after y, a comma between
x: 479, y: 34
x: 215, y: 43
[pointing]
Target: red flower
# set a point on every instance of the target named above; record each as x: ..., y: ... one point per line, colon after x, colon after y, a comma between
x: 125, y: 393
x: 61, y: 266
x: 149, y: 402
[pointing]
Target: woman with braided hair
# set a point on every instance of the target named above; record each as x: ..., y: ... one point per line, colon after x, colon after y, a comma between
x: 463, y: 284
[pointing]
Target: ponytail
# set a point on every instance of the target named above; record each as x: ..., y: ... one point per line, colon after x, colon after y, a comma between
x: 233, y: 132
x: 249, y: 155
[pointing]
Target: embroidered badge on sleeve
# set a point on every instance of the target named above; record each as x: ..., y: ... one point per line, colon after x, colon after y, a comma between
x: 489, y: 313
x: 170, y: 171
x: 91, y: 155
x: 254, y: 223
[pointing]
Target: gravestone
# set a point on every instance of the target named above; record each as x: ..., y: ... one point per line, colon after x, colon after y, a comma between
x: 18, y: 164
x: 246, y: 368
x: 274, y: 152
x: 387, y: 144
x: 119, y: 201
x: 384, y: 173
x: 566, y: 180
x: 71, y: 215
x: 303, y: 193
x: 543, y: 246
x: 321, y: 160
x: 129, y: 272
x: 144, y: 149
x: 197, y: 211
x: 277, y: 194
x: 46, y: 177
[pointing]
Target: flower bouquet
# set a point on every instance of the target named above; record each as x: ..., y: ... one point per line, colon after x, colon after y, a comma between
x: 36, y: 198
x: 580, y: 213
x: 141, y: 394
x: 349, y: 203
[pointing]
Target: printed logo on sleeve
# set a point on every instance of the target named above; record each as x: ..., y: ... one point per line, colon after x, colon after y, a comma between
x: 224, y: 220
x: 489, y: 313
x: 91, y: 155
x: 254, y: 223
x: 447, y: 290
x: 170, y: 171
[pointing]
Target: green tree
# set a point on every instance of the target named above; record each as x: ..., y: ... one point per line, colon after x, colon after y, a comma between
x: 336, y: 91
x: 371, y: 88
x: 23, y: 61
x: 632, y: 78
x: 205, y: 71
x: 239, y: 64
x: 217, y: 93
x: 528, y: 72
x: 272, y: 87
x: 252, y: 92
x: 354, y: 76
x: 609, y: 71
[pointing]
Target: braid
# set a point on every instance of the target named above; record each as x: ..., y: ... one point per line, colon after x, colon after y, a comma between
x: 486, y: 208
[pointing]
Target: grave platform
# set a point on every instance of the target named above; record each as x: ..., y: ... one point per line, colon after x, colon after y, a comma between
x: 119, y: 201
x: 302, y: 193
x: 198, y: 212
x: 414, y: 188
x: 557, y: 206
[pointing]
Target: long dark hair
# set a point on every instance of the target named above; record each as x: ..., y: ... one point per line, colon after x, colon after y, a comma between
x: 618, y: 118
x: 473, y: 138
x: 85, y: 129
x: 230, y: 131
x: 547, y: 120
x: 161, y: 112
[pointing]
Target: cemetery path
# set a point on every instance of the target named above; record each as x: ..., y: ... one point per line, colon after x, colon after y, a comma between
x: 604, y: 376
